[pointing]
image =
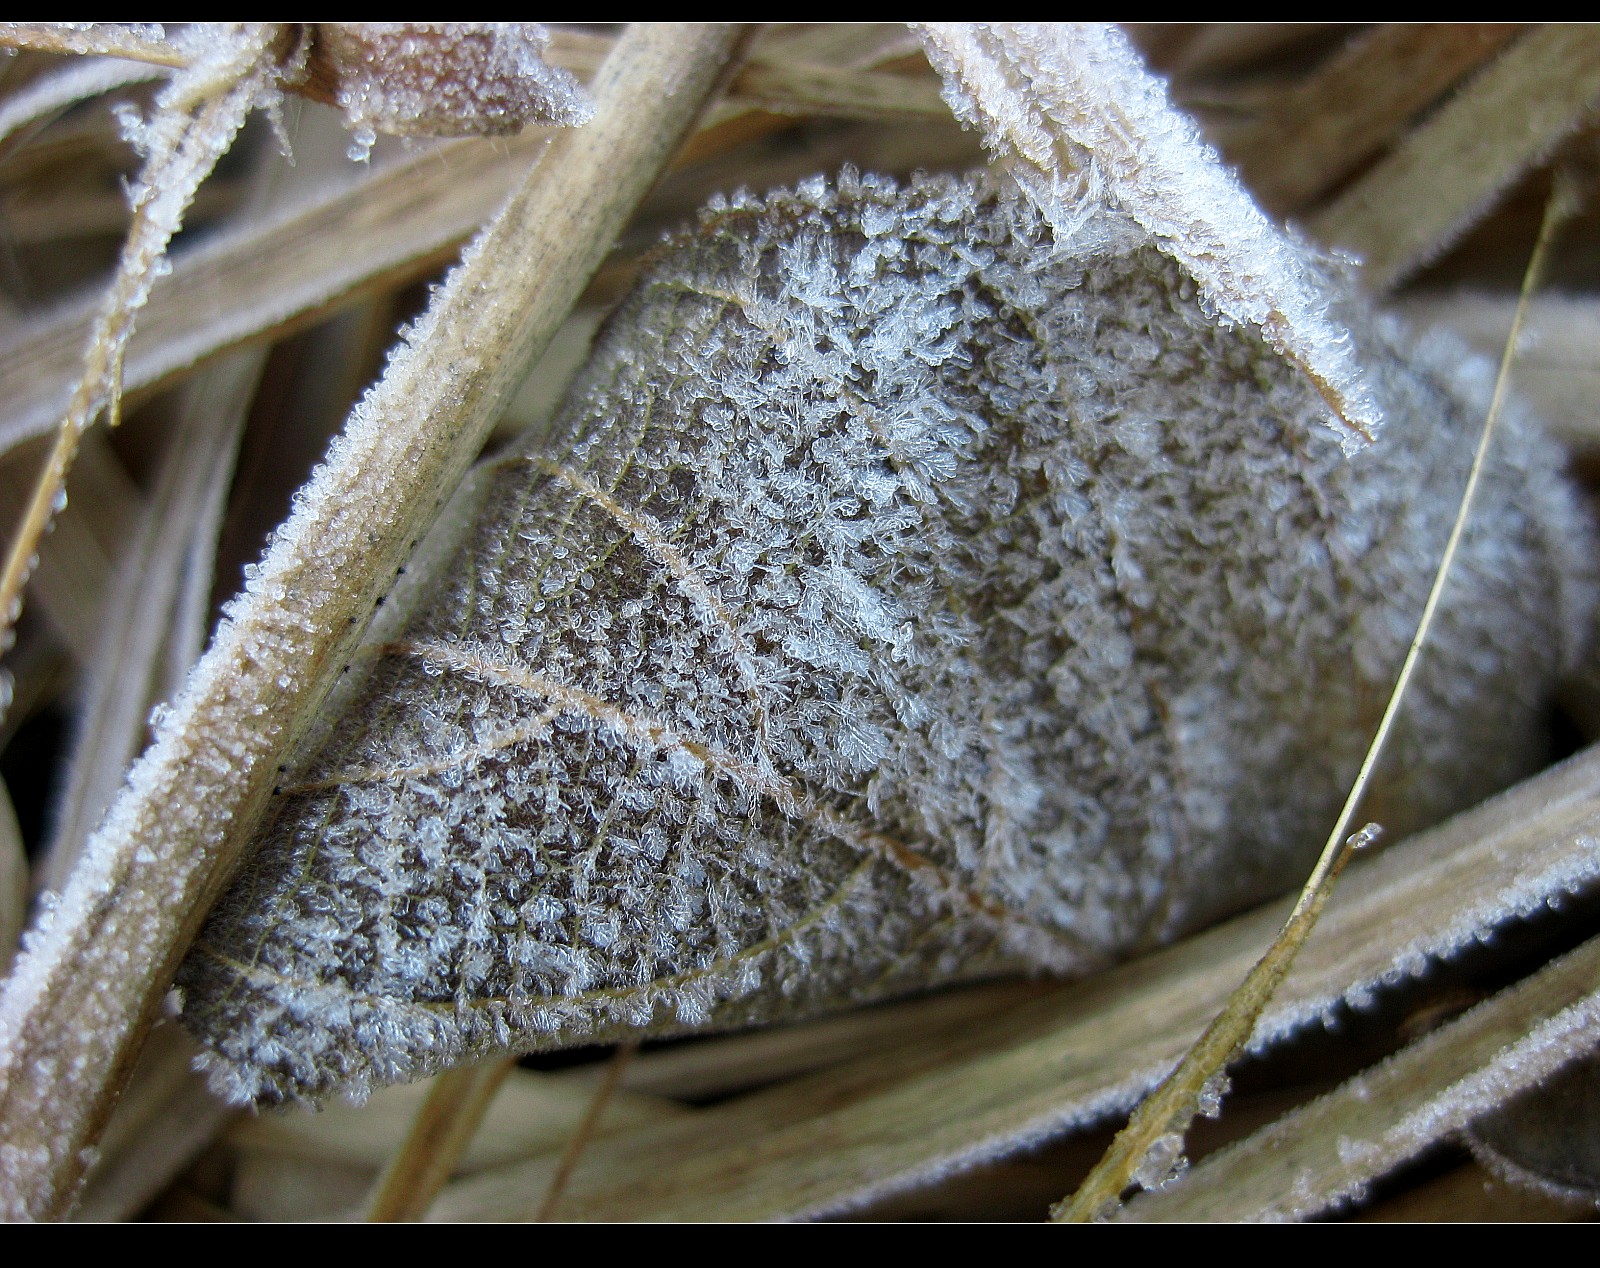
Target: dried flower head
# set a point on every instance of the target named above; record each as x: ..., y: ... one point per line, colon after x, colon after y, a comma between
x: 911, y: 590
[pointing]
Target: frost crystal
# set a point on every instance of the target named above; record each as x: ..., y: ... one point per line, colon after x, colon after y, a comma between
x: 1164, y: 1164
x: 910, y: 593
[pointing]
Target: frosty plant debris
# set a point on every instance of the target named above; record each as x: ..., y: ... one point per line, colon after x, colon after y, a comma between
x: 913, y: 590
x: 97, y: 962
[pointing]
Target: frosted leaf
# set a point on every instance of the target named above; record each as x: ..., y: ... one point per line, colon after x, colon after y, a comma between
x: 992, y: 612
x: 1069, y: 110
x: 442, y: 78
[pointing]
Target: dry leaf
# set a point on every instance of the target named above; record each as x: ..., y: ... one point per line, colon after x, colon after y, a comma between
x: 861, y: 628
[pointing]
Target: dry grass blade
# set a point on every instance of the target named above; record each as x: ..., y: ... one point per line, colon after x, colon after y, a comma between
x: 39, y: 670
x: 271, y: 274
x: 157, y: 608
x: 816, y: 90
x: 1446, y: 172
x: 75, y: 572
x: 718, y: 1067
x: 584, y: 1132
x: 531, y: 1115
x: 137, y: 41
x: 1315, y: 1158
x: 76, y: 1007
x: 1305, y: 139
x: 1468, y: 1194
x: 129, y: 671
x: 858, y: 45
x: 68, y: 86
x: 13, y: 881
x: 439, y: 1136
x: 1220, y: 47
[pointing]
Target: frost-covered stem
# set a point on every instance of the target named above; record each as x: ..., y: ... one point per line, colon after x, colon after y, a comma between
x: 83, y: 994
x: 80, y: 81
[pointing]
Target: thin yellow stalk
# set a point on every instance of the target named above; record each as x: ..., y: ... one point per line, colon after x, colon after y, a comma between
x: 1327, y: 1152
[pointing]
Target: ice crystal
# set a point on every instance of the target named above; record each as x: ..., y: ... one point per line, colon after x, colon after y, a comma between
x: 1164, y: 1164
x: 912, y: 591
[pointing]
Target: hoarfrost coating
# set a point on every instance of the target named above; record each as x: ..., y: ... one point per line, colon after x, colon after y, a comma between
x: 911, y: 591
